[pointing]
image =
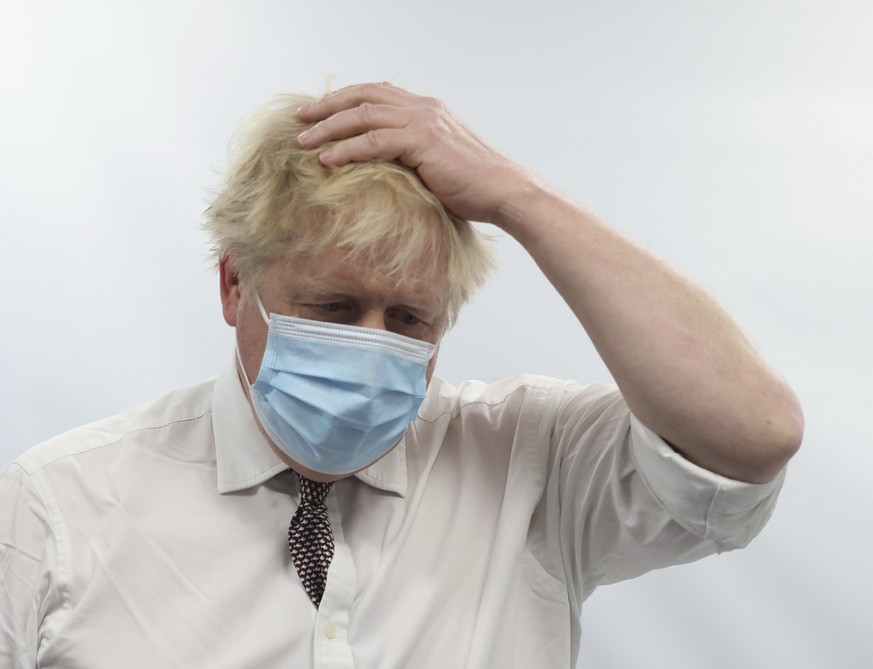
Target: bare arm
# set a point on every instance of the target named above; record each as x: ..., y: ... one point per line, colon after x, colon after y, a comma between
x: 684, y: 368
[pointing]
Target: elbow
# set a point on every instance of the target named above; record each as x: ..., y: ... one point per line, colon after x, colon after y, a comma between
x: 759, y: 445
x: 790, y: 430
x: 778, y: 442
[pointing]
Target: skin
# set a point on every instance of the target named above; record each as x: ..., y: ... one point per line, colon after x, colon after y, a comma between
x: 684, y: 368
x: 328, y: 287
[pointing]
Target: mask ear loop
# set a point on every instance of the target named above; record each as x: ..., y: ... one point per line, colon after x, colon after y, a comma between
x: 264, y: 313
x: 242, y: 368
x: 266, y: 318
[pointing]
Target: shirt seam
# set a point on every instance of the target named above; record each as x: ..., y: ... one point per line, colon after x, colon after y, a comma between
x: 43, y: 490
x: 94, y: 447
x: 452, y: 414
x: 710, y: 510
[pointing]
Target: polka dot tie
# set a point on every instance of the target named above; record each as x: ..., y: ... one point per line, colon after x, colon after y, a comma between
x: 310, y: 538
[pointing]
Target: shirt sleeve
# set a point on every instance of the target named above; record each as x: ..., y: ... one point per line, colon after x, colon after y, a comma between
x: 629, y: 503
x: 26, y: 558
x: 712, y: 507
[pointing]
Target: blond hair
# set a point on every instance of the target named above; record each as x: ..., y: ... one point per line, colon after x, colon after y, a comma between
x: 278, y: 199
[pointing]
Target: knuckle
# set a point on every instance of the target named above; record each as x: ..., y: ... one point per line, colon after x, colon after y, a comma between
x: 433, y: 104
x: 355, y: 94
x: 374, y: 139
x: 432, y: 119
x: 365, y: 112
x: 433, y: 111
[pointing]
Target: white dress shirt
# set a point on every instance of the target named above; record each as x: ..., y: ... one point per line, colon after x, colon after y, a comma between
x: 158, y: 538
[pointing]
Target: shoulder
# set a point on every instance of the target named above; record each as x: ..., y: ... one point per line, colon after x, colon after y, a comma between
x: 141, y: 424
x: 520, y: 392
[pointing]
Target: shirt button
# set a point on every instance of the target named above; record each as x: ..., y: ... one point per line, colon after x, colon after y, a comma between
x: 330, y: 630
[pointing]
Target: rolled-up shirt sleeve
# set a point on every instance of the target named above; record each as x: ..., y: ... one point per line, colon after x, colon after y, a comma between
x: 27, y: 559
x: 629, y: 503
x: 713, y: 507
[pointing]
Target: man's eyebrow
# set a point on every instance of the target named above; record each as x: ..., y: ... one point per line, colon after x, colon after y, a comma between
x: 350, y: 289
x: 306, y: 292
x: 325, y: 285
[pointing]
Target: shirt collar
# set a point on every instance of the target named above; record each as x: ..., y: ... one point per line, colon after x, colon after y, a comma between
x: 244, y: 457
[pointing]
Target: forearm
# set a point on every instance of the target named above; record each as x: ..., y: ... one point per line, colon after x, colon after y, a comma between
x: 684, y: 368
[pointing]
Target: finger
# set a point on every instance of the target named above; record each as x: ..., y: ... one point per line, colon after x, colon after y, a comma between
x: 381, y: 144
x: 356, y: 121
x: 353, y: 96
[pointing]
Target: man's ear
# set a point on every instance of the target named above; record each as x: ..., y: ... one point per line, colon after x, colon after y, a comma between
x: 230, y: 290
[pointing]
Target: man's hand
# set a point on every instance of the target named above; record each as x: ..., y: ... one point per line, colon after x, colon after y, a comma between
x: 381, y: 121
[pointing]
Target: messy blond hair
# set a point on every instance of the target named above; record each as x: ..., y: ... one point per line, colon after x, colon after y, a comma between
x: 278, y: 199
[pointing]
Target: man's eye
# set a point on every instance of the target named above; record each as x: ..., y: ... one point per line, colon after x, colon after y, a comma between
x: 407, y: 319
x: 329, y: 307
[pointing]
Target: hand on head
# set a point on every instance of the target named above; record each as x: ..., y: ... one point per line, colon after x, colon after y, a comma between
x: 381, y: 121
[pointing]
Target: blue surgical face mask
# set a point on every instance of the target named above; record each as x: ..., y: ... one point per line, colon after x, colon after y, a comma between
x: 336, y: 398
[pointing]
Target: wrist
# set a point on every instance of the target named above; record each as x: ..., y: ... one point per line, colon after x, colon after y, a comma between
x: 520, y: 204
x: 531, y: 208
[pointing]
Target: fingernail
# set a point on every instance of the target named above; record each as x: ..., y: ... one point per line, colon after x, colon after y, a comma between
x: 303, y: 136
x: 325, y: 156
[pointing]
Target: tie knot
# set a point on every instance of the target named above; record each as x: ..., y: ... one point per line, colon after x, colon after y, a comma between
x: 312, y: 492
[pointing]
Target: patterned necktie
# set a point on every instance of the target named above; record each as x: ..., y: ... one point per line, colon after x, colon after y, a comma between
x: 310, y: 538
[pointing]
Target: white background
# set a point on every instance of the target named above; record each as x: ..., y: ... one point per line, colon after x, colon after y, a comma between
x: 733, y: 138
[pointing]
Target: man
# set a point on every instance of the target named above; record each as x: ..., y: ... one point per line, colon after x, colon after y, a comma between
x: 461, y: 528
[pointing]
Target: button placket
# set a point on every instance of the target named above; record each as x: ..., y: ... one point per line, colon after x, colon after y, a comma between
x: 330, y: 633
